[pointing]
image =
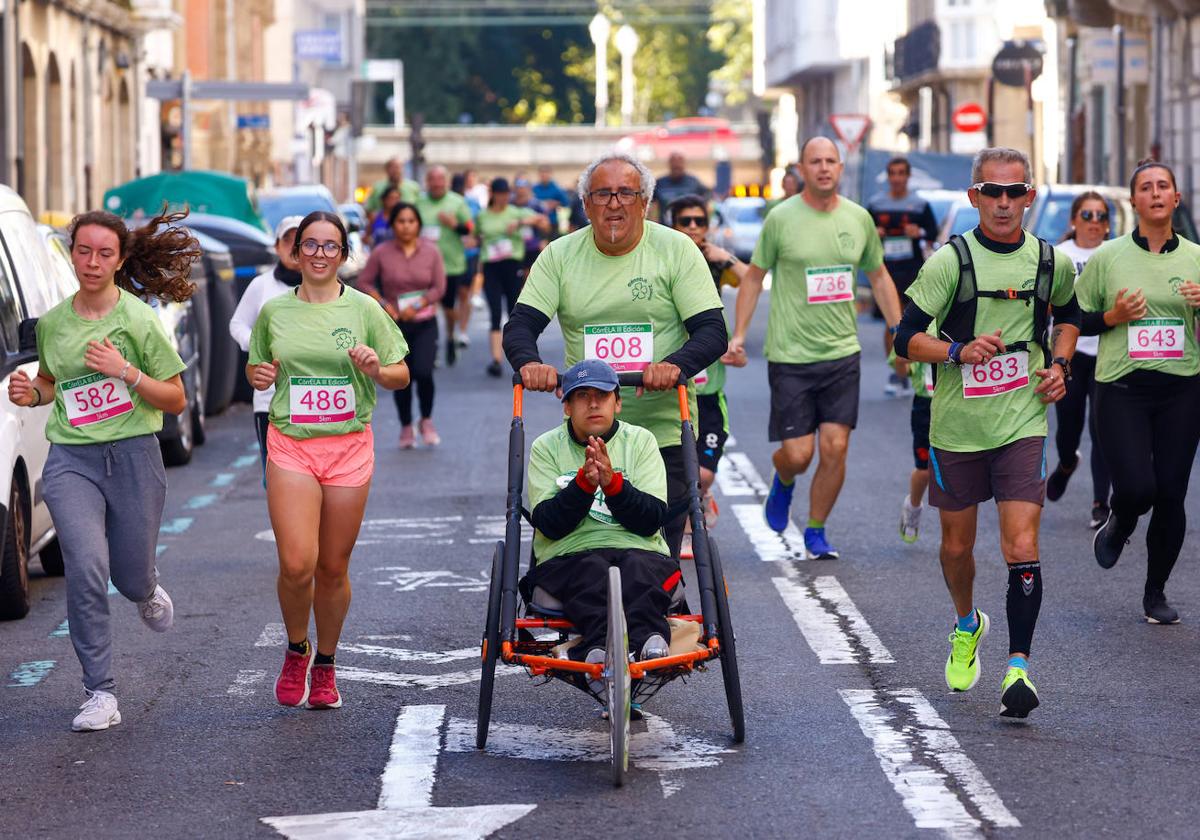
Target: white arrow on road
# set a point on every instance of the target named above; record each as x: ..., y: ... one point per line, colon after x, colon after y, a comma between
x: 405, y: 807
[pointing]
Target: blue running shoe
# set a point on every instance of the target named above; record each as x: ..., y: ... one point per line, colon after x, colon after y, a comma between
x: 778, y: 504
x: 816, y: 547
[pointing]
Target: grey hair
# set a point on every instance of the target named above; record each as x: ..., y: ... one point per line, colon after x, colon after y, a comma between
x: 647, y: 179
x: 438, y: 168
x: 998, y: 154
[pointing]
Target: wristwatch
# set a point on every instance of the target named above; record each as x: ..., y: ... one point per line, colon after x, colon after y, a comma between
x: 1063, y: 363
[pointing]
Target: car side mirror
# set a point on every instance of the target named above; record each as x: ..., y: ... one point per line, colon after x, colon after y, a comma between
x: 27, y: 337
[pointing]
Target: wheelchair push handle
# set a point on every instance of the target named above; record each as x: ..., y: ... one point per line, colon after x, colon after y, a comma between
x: 628, y: 379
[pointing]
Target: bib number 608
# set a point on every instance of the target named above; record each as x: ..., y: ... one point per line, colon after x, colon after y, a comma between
x: 618, y: 347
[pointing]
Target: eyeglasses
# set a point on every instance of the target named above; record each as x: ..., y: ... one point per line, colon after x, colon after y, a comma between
x: 691, y: 221
x: 992, y: 190
x: 624, y: 196
x: 310, y: 247
x: 1094, y: 215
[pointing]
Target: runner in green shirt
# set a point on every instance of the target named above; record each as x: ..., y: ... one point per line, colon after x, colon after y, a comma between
x: 920, y: 375
x: 445, y: 220
x: 813, y: 243
x: 1140, y: 293
x: 995, y: 380
x: 410, y: 190
x: 598, y: 495
x: 629, y: 292
x: 109, y: 368
x: 325, y: 347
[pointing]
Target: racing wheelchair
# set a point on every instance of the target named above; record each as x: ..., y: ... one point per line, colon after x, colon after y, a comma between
x: 506, y: 637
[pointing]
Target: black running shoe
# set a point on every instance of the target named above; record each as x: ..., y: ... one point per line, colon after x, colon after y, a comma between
x: 1108, y: 543
x: 495, y: 370
x: 451, y: 352
x: 1056, y: 484
x: 1156, y: 608
x: 1100, y: 514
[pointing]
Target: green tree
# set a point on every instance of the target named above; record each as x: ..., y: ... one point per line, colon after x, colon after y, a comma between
x: 731, y: 37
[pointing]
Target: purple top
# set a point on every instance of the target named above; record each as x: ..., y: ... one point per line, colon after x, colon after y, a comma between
x: 392, y: 274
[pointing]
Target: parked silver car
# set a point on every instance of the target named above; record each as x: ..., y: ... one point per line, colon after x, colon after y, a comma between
x: 736, y: 225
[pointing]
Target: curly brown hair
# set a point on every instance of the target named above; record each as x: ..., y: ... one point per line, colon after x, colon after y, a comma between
x: 156, y: 262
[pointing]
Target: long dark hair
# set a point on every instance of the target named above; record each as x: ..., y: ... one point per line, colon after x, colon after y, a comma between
x: 1077, y: 203
x: 156, y: 263
x: 321, y: 216
x: 404, y: 205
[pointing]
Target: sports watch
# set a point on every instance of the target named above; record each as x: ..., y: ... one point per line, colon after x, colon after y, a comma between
x: 1064, y: 363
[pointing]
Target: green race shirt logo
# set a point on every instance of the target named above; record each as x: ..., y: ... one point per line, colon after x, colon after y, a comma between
x: 344, y: 337
x: 640, y: 288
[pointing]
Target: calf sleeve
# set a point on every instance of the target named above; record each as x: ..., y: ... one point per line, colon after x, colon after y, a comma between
x: 1023, y: 604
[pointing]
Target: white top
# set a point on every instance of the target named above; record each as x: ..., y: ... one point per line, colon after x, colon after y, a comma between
x: 1089, y: 344
x: 261, y: 289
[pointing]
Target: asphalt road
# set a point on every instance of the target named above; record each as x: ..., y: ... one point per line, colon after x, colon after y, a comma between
x: 851, y: 731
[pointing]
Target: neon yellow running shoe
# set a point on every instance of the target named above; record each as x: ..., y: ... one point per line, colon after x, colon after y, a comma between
x: 1018, y: 697
x: 962, y: 668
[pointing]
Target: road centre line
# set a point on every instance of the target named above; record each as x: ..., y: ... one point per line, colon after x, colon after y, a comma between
x: 404, y: 655
x: 407, y: 781
x: 222, y: 480
x: 201, y: 501
x: 768, y: 544
x: 243, y: 461
x: 178, y: 525
x: 736, y: 476
x: 832, y: 624
x: 927, y: 793
x: 428, y: 682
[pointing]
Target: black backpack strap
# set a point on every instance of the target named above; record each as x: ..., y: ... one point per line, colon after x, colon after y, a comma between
x: 959, y: 323
x: 1043, y: 289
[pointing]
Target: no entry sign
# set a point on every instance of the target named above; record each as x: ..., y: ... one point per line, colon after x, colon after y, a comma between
x: 969, y: 117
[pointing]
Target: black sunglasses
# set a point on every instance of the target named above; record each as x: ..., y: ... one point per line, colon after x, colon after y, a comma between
x: 992, y: 190
x: 691, y: 221
x: 1094, y: 215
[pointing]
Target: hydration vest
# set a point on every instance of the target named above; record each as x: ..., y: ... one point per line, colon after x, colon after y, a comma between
x: 959, y: 323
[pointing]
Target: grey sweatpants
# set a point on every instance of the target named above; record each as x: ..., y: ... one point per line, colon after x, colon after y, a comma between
x: 106, y: 500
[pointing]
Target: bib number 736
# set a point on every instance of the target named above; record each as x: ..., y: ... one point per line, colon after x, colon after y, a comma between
x: 999, y: 375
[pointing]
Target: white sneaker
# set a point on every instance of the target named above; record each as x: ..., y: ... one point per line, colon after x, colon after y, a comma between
x: 157, y: 611
x: 654, y: 648
x: 463, y: 340
x: 478, y: 302
x: 98, y: 712
x: 910, y: 521
x: 595, y: 655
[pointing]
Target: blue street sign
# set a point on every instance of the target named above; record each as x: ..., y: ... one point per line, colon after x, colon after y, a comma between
x: 319, y: 45
x: 254, y: 121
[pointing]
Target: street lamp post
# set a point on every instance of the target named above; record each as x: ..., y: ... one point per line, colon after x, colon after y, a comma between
x: 627, y: 44
x: 599, y: 29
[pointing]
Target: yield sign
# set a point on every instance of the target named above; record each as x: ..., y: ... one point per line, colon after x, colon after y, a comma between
x: 850, y: 128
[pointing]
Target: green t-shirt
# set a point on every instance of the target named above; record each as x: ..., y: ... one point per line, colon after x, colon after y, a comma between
x: 920, y: 374
x: 454, y: 255
x: 554, y: 460
x: 627, y: 310
x: 977, y: 424
x: 814, y: 257
x: 1165, y: 339
x: 496, y: 243
x: 318, y: 390
x: 88, y: 406
x: 410, y: 191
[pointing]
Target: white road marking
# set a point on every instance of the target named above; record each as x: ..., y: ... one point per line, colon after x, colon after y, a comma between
x: 405, y: 810
x: 425, y: 681
x: 428, y: 530
x: 406, y: 579
x: 927, y: 794
x: 488, y: 529
x: 736, y: 476
x: 404, y: 655
x: 769, y: 544
x: 407, y: 780
x: 819, y: 626
x: 244, y: 684
x: 659, y: 749
x: 273, y: 635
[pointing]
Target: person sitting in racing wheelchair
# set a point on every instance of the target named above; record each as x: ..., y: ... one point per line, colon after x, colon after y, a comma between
x: 598, y: 490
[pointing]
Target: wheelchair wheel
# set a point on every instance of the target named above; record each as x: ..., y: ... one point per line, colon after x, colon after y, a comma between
x: 616, y: 678
x: 729, y: 667
x: 491, y: 648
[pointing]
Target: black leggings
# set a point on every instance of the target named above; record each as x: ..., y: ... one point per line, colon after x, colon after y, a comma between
x: 1071, y: 412
x: 422, y: 339
x: 1146, y: 422
x: 501, y: 279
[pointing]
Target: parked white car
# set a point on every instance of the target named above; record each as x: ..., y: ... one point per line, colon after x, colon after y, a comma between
x: 29, y: 286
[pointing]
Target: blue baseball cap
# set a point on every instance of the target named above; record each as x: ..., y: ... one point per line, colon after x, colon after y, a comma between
x: 590, y: 373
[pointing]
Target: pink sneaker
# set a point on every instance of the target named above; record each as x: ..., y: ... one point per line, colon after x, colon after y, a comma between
x: 291, y: 689
x: 407, y: 439
x: 429, y: 435
x: 324, y: 694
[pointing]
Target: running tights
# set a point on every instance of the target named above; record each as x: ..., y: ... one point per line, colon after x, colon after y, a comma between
x: 422, y: 339
x: 1148, y: 430
x: 1071, y: 411
x: 501, y: 280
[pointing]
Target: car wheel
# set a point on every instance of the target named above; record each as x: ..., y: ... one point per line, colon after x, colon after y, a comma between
x: 14, y: 559
x: 52, y: 558
x: 199, y: 420
x: 177, y: 451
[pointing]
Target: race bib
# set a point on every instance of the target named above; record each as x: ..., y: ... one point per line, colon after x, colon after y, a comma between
x: 501, y: 249
x: 95, y: 398
x: 411, y: 299
x: 431, y: 232
x: 599, y: 510
x: 321, y: 399
x: 897, y: 248
x: 626, y: 347
x: 832, y: 284
x: 1156, y: 338
x: 928, y: 379
x: 1000, y: 375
